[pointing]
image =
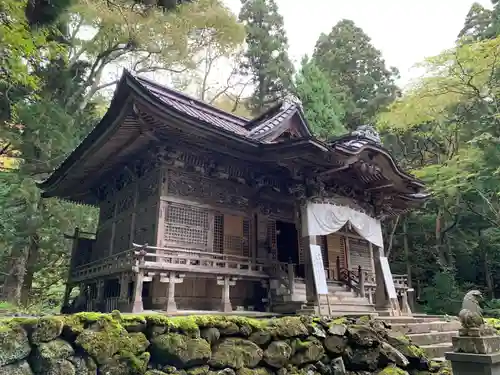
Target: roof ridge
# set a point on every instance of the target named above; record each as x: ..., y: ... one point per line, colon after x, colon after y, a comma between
x: 285, y: 107
x: 178, y: 95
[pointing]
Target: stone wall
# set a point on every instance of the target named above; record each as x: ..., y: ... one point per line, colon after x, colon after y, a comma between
x: 121, y: 344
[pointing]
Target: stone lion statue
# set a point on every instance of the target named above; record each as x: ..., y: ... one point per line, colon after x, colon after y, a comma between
x: 470, y: 315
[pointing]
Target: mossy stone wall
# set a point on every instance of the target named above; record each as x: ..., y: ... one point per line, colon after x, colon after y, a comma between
x: 120, y: 344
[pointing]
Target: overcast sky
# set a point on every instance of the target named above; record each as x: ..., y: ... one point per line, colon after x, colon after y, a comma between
x: 406, y: 31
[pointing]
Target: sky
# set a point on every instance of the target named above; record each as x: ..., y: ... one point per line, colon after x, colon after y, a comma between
x: 406, y: 31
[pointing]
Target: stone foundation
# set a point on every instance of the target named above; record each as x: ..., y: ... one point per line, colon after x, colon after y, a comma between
x: 122, y: 344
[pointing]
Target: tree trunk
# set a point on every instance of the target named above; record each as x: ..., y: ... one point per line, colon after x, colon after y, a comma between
x: 14, y: 282
x: 407, y: 254
x: 33, y: 255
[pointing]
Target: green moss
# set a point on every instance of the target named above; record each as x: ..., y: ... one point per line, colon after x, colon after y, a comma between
x: 404, y: 339
x: 76, y: 323
x: 364, y: 319
x: 341, y: 320
x: 200, y: 370
x: 155, y: 372
x: 137, y: 365
x: 14, y: 343
x: 106, y: 336
x: 287, y: 327
x: 180, y: 350
x: 392, y: 370
x: 18, y: 368
x: 47, y: 329
x: 416, y: 351
x: 236, y: 353
x: 254, y: 371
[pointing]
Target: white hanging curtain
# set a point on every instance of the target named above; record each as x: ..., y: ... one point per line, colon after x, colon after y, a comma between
x: 321, y: 219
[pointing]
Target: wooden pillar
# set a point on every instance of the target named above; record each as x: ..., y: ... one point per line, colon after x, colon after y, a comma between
x: 74, y: 250
x: 171, y: 278
x: 123, y: 299
x: 137, y: 304
x: 361, y: 282
x: 99, y: 299
x: 405, y: 307
x: 226, y: 283
x: 311, y: 295
x: 381, y: 299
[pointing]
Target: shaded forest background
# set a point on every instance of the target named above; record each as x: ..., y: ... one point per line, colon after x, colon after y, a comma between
x: 58, y: 61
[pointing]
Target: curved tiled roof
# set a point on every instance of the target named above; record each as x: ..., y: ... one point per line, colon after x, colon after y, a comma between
x: 256, y: 135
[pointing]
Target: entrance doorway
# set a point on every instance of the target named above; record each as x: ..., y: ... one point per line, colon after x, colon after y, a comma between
x: 287, y: 242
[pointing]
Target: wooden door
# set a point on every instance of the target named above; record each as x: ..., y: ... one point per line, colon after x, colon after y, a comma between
x: 336, y: 247
x: 359, y: 254
x: 233, y: 235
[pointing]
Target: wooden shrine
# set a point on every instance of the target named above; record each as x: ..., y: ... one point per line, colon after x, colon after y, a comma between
x: 202, y: 210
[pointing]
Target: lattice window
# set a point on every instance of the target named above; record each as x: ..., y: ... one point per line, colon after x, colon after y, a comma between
x: 303, y: 241
x: 324, y: 251
x: 235, y: 240
x: 246, y: 237
x: 218, y: 233
x: 271, y: 238
x: 186, y: 225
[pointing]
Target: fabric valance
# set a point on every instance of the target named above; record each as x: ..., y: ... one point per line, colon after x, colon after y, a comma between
x: 321, y: 219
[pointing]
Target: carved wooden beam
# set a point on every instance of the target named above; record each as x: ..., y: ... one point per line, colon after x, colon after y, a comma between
x: 347, y: 163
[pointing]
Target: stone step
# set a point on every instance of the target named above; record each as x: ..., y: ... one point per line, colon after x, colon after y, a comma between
x: 437, y: 326
x: 400, y: 319
x: 410, y: 319
x: 437, y: 350
x: 432, y: 338
x: 354, y: 308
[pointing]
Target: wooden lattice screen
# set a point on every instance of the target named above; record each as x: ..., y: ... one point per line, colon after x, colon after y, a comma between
x: 186, y: 226
x: 218, y: 233
x: 272, y: 238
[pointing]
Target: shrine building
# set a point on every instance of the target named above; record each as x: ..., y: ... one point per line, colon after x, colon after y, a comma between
x: 203, y: 210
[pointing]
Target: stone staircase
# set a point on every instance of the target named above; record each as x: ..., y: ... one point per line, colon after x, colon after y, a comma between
x: 342, y: 301
x: 431, y: 333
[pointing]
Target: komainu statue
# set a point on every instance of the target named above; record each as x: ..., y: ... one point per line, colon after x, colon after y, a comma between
x: 470, y: 315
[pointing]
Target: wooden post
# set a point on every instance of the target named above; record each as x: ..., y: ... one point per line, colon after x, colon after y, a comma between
x: 69, y: 285
x: 137, y: 304
x: 226, y: 283
x: 405, y: 307
x: 99, y: 299
x: 361, y: 282
x: 381, y: 298
x: 123, y: 300
x: 171, y: 278
x: 291, y: 276
x: 338, y: 268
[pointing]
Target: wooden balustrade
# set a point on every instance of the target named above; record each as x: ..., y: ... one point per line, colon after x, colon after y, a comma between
x: 115, y: 263
x: 195, y: 261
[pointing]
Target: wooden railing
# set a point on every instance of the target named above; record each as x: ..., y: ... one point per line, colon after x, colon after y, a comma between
x: 182, y: 260
x: 114, y: 263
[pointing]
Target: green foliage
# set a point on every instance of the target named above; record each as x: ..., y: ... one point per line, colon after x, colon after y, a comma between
x: 266, y: 58
x: 321, y: 105
x: 446, y: 130
x: 50, y: 81
x: 443, y: 295
x: 356, y: 68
